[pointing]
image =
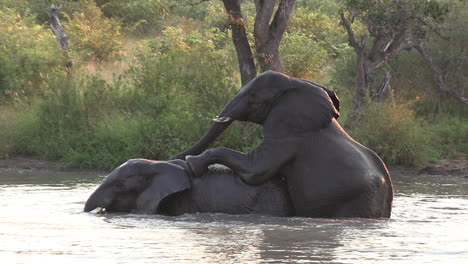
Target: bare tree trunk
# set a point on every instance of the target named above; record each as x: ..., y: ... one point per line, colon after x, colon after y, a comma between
x: 438, y: 74
x: 268, y: 35
x: 269, y: 57
x: 383, y: 92
x: 384, y: 48
x: 62, y: 36
x: 360, y: 93
x: 239, y: 38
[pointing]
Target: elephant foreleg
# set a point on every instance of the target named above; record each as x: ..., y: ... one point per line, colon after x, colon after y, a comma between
x: 254, y: 167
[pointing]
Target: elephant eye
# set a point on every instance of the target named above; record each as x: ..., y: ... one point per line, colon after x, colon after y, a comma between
x: 119, y: 185
x: 252, y: 96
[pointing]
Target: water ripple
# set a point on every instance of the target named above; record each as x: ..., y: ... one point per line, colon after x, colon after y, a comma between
x: 42, y: 221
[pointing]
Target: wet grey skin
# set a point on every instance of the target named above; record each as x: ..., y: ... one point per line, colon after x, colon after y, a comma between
x: 327, y: 173
x: 166, y: 187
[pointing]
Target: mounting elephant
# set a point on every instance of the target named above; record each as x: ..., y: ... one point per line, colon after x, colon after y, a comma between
x: 327, y: 172
x: 165, y: 187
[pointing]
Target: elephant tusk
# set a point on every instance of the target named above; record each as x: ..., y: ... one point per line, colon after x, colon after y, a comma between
x: 222, y: 119
x: 99, y: 210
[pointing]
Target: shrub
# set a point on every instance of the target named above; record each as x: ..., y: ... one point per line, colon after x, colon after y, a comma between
x: 197, y: 72
x: 313, y: 41
x: 141, y: 17
x: 302, y: 57
x: 29, y: 55
x: 392, y: 131
x: 451, y: 136
x: 158, y: 108
x: 34, y: 8
x: 92, y: 34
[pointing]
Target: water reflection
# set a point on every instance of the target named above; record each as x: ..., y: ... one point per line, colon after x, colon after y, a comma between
x: 42, y: 220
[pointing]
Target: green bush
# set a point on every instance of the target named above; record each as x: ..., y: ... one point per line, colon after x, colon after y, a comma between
x: 451, y: 136
x: 35, y: 8
x: 160, y: 107
x: 312, y: 41
x: 92, y: 34
x: 141, y: 17
x: 29, y: 55
x: 392, y: 131
x: 183, y: 76
x: 197, y: 72
x: 302, y: 57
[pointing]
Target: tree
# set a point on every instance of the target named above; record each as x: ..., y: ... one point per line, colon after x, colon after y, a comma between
x: 267, y: 35
x: 239, y: 38
x: 60, y: 33
x: 390, y: 26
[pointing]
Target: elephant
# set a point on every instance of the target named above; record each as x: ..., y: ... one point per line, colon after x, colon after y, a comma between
x: 328, y: 173
x: 144, y: 186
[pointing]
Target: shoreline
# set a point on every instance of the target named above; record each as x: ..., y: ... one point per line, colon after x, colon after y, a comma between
x: 22, y: 163
x: 458, y: 167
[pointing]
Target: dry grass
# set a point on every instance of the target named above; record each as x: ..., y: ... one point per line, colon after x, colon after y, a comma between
x: 109, y: 70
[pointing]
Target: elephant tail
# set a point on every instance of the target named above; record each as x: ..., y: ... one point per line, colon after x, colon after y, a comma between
x: 386, y: 181
x: 389, y: 200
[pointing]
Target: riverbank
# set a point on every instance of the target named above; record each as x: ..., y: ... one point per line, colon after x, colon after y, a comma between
x: 443, y: 168
x: 20, y: 163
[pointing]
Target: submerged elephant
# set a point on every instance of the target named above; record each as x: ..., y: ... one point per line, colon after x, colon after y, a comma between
x: 160, y: 187
x: 328, y: 173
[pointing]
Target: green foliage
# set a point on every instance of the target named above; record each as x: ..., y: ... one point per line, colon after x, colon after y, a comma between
x: 29, y: 54
x: 186, y: 70
x: 10, y: 125
x: 343, y: 80
x: 329, y: 8
x: 323, y: 30
x: 69, y: 124
x: 198, y: 72
x: 143, y: 17
x: 413, y: 78
x: 392, y: 131
x: 313, y: 40
x: 35, y: 8
x: 160, y: 107
x: 92, y: 34
x: 300, y: 51
x: 204, y: 15
x: 385, y: 17
x: 452, y: 136
x: 196, y: 65
x: 450, y: 50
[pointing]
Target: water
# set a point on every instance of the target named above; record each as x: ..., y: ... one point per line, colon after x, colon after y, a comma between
x: 41, y: 221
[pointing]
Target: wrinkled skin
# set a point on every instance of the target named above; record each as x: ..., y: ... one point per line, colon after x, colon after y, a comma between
x: 328, y: 173
x: 160, y: 187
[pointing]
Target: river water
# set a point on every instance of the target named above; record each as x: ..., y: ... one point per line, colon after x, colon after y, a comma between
x: 41, y: 221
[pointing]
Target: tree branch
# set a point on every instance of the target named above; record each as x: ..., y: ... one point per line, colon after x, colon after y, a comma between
x: 62, y: 36
x: 437, y: 73
x: 351, y: 35
x: 383, y: 91
x: 264, y: 11
x: 403, y: 40
x: 239, y: 37
x: 58, y: 29
x: 280, y: 21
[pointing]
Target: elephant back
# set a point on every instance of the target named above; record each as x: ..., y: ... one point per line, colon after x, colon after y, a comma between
x: 220, y: 190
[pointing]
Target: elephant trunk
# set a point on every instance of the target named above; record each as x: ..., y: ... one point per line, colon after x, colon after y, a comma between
x: 216, y: 130
x: 97, y: 199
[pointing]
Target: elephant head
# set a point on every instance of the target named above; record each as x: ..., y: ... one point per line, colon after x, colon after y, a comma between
x: 283, y: 105
x: 139, y: 186
x: 274, y: 98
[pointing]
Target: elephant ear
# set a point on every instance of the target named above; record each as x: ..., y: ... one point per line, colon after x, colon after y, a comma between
x: 335, y: 100
x: 168, y: 179
x: 305, y: 107
x: 331, y: 94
